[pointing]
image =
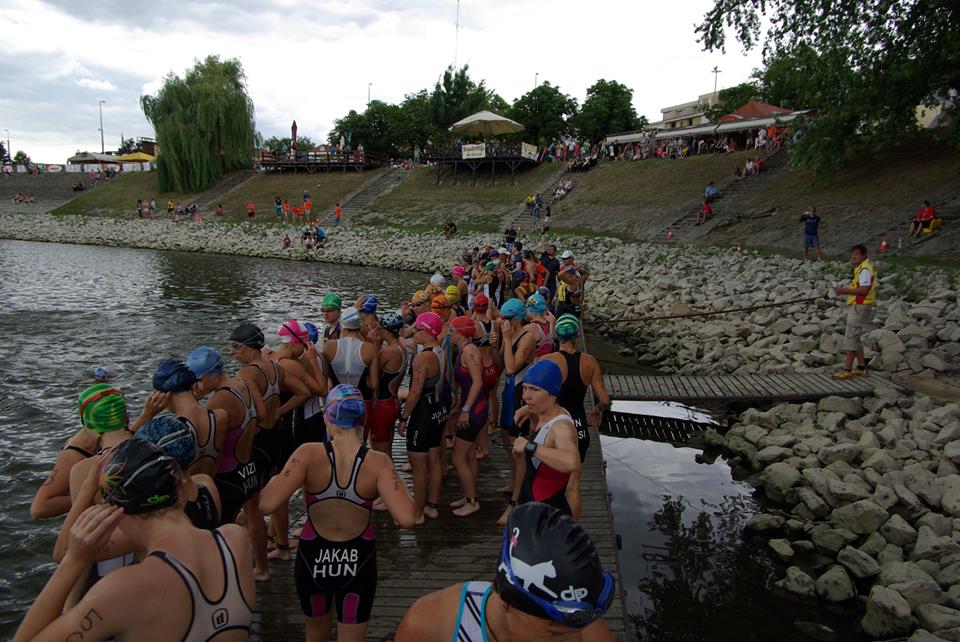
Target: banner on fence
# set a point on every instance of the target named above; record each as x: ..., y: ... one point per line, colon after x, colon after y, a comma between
x: 528, y: 151
x: 478, y: 150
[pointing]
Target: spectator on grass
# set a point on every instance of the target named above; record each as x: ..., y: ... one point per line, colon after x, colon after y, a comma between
x: 922, y: 220
x: 219, y: 209
x: 169, y: 207
x: 139, y: 208
x: 251, y: 210
x: 712, y: 192
x: 152, y: 207
x: 287, y: 242
x: 811, y: 231
x: 748, y: 167
x: 278, y: 208
x: 509, y: 236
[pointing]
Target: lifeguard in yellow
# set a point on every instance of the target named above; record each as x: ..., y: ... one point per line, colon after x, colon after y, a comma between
x: 861, y: 297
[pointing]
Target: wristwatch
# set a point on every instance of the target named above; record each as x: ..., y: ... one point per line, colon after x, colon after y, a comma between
x: 530, y: 447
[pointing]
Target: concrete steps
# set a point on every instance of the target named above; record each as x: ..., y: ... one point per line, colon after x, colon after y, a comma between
x: 546, y: 193
x: 208, y: 200
x: 372, y: 190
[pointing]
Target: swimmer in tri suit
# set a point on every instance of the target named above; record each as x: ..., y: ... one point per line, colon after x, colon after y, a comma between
x: 164, y: 597
x: 474, y: 385
x: 352, y: 360
x: 564, y: 604
x: 550, y: 455
x: 538, y: 314
x: 393, y: 360
x: 423, y: 416
x: 336, y: 565
x: 518, y: 342
x: 330, y: 307
x: 487, y: 316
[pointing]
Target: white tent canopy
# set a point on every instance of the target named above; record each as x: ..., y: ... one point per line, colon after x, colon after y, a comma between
x: 486, y: 123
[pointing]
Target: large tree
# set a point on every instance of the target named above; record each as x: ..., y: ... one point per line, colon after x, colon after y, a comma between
x: 607, y: 109
x: 731, y: 99
x: 544, y: 111
x: 204, y: 124
x: 865, y: 65
x: 281, y: 145
x: 456, y: 96
x: 21, y: 158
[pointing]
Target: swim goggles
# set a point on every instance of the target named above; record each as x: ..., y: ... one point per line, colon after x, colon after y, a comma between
x: 573, y: 613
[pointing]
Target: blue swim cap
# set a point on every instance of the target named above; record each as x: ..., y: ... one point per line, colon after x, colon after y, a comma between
x: 391, y: 321
x: 536, y: 304
x: 173, y: 376
x: 513, y: 309
x: 544, y: 292
x: 546, y: 375
x: 519, y: 276
x: 176, y: 438
x: 312, y: 331
x: 343, y: 391
x: 101, y: 374
x: 345, y: 413
x: 369, y: 304
x: 205, y: 361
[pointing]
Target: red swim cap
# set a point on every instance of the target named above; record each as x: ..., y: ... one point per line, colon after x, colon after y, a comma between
x: 464, y: 326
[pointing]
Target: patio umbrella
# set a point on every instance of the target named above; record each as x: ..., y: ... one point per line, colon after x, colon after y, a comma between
x: 293, y: 136
x: 486, y: 123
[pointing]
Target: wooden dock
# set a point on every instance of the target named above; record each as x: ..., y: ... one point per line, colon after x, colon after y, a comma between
x: 767, y: 387
x: 444, y: 551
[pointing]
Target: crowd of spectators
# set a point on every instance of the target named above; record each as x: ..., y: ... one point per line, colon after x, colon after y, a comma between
x: 681, y: 146
x: 23, y: 198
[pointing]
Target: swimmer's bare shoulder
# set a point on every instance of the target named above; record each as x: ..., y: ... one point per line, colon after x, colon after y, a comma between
x: 432, y: 617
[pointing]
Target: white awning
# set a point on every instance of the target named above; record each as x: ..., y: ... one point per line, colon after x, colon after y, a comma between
x: 753, y: 123
x: 699, y: 130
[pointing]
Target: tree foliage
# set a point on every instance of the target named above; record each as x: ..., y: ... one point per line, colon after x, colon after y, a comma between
x: 3, y: 151
x: 545, y: 112
x: 864, y: 65
x: 204, y: 124
x: 21, y: 158
x: 456, y: 96
x: 128, y: 146
x: 281, y: 146
x: 608, y: 108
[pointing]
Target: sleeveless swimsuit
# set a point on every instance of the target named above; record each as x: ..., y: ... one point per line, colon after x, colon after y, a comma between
x: 236, y: 481
x: 347, y: 366
x: 572, y: 392
x: 545, y: 345
x: 541, y: 483
x: 480, y: 410
x: 210, y: 618
x: 341, y: 574
x: 202, y: 511
x: 472, y: 614
x: 207, y: 450
x: 425, y: 427
x: 313, y: 430
x: 511, y: 398
x: 387, y: 407
x: 268, y: 442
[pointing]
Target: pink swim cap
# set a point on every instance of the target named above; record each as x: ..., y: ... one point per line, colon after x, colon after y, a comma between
x: 293, y: 332
x: 429, y: 322
x: 457, y: 271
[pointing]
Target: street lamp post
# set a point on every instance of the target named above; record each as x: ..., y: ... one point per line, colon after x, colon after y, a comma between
x: 536, y: 80
x: 369, y: 85
x: 100, y: 108
x: 9, y: 155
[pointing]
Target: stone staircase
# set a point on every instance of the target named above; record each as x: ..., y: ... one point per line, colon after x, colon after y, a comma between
x: 948, y: 209
x: 522, y: 214
x: 371, y: 190
x: 685, y: 228
x: 208, y: 200
x: 50, y: 191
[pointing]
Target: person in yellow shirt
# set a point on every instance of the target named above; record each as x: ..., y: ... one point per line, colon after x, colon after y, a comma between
x: 861, y: 298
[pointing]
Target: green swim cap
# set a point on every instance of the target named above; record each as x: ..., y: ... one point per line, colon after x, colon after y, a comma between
x: 331, y: 300
x: 102, y: 408
x: 491, y: 266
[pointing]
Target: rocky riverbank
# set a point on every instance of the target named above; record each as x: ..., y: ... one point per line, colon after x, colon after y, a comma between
x: 866, y: 491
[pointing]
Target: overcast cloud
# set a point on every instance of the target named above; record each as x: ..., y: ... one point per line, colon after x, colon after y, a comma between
x: 312, y: 61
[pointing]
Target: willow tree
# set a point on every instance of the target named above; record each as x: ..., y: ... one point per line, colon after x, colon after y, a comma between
x: 204, y: 124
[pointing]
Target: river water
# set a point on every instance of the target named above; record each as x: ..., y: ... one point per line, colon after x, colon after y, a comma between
x: 70, y: 308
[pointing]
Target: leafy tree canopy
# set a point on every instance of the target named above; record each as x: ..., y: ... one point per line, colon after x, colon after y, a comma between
x: 281, y: 146
x: 545, y: 112
x: 456, y: 96
x: 128, y: 147
x: 21, y: 158
x: 731, y: 99
x: 204, y: 124
x: 607, y: 109
x: 864, y: 65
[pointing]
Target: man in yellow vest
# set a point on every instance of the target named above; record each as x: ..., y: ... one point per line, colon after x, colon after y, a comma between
x: 861, y: 297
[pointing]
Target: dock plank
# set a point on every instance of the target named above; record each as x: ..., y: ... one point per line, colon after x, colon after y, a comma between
x: 772, y: 387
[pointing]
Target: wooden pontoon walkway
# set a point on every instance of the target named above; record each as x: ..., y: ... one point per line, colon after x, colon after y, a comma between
x: 772, y: 387
x: 443, y: 552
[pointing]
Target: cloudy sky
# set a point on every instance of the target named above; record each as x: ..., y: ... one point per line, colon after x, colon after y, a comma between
x: 312, y: 61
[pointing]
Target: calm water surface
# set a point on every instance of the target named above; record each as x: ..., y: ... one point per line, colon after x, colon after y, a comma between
x: 67, y: 309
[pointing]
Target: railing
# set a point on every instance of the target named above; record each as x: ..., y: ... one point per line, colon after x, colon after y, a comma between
x: 354, y: 157
x: 480, y: 151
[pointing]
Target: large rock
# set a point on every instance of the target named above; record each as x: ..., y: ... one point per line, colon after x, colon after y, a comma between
x: 950, y: 499
x: 831, y: 541
x: 935, y: 617
x: 861, y: 517
x: 782, y: 549
x: 898, y: 531
x: 798, y: 583
x: 930, y: 546
x: 770, y: 454
x: 835, y: 585
x: 778, y: 478
x: 881, y: 461
x: 839, y: 452
x: 917, y: 592
x: 764, y: 523
x: 887, y: 614
x: 849, y: 407
x: 814, y: 631
x: 898, y: 572
x: 858, y: 563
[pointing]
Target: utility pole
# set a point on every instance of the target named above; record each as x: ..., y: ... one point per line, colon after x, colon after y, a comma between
x: 100, y: 107
x: 456, y: 37
x: 369, y: 85
x: 715, y: 71
x: 9, y: 155
x: 536, y: 80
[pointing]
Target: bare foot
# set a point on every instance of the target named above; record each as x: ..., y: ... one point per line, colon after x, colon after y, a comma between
x: 467, y: 509
x: 460, y: 502
x: 278, y: 554
x: 294, y: 534
x: 261, y: 576
x: 506, y: 514
x: 419, y: 521
x: 482, y: 452
x: 506, y: 488
x: 431, y: 512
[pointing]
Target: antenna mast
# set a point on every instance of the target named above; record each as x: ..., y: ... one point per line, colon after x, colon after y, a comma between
x: 456, y: 38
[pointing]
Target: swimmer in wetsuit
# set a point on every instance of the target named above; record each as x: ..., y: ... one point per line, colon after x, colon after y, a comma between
x: 564, y: 604
x: 550, y: 454
x: 164, y: 597
x: 423, y: 416
x: 336, y: 565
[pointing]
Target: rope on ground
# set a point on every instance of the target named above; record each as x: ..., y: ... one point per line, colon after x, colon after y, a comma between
x: 690, y: 315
